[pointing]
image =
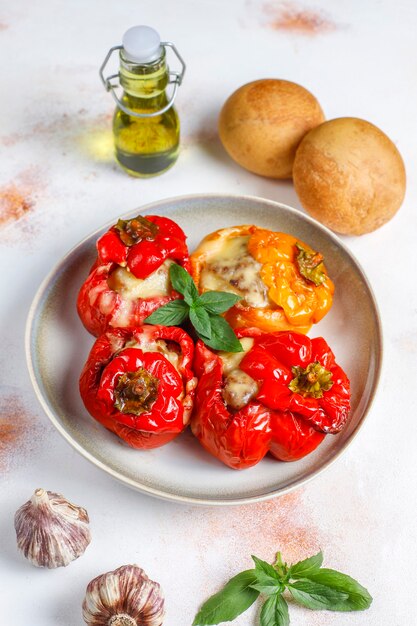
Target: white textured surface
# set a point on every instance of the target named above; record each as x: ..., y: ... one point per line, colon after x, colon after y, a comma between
x: 55, y: 123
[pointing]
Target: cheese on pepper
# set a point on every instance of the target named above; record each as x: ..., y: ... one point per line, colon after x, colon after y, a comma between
x: 283, y: 282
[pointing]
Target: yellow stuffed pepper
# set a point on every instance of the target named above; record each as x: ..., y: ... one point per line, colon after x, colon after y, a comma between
x: 282, y: 281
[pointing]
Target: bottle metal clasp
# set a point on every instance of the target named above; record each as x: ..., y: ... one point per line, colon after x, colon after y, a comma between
x: 175, y: 79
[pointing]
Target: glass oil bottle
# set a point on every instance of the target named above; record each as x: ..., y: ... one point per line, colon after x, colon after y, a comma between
x: 146, y: 126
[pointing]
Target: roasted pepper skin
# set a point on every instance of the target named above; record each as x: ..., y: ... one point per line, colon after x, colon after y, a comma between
x: 99, y: 306
x: 277, y: 420
x: 112, y: 356
x: 295, y: 302
x: 145, y: 256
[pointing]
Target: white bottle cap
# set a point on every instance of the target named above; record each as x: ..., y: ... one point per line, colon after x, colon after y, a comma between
x: 142, y: 44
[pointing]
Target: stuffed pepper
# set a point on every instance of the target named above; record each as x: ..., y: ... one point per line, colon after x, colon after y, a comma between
x: 282, y: 282
x: 281, y: 395
x: 139, y: 384
x: 130, y: 278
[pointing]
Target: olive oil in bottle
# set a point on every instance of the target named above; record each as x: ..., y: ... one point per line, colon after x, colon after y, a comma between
x: 146, y: 126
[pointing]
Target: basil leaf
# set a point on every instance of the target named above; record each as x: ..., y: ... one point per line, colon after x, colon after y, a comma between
x: 302, y: 569
x: 218, y: 301
x: 268, y: 580
x: 199, y: 318
x: 222, y: 336
x: 275, y: 612
x: 268, y: 585
x: 231, y: 601
x: 191, y: 293
x: 263, y: 566
x: 183, y: 283
x: 358, y: 598
x: 170, y: 314
x: 179, y: 277
x: 315, y: 596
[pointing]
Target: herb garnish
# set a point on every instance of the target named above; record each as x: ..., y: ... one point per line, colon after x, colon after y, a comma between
x: 202, y: 311
x: 308, y: 583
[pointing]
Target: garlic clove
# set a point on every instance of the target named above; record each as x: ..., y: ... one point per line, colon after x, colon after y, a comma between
x: 50, y: 531
x: 124, y: 597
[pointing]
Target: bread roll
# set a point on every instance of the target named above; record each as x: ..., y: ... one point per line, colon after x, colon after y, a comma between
x: 262, y: 123
x: 349, y: 175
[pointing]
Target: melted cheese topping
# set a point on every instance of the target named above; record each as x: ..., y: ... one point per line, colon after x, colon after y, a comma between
x: 131, y: 288
x: 156, y: 345
x: 232, y: 360
x: 122, y: 316
x: 230, y: 267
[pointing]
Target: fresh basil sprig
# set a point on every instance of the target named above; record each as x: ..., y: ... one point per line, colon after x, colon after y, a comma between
x: 202, y: 311
x: 307, y: 581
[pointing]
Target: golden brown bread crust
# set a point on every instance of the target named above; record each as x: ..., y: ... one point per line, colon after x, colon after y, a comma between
x: 349, y: 175
x: 262, y: 123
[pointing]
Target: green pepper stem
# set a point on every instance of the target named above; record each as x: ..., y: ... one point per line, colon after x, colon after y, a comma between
x: 311, y: 381
x: 310, y: 265
x: 136, y: 392
x: 135, y: 230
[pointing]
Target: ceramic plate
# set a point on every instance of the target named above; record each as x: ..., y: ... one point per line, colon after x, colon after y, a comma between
x: 182, y: 470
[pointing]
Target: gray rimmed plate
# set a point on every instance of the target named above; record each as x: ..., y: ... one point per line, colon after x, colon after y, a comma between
x: 183, y: 471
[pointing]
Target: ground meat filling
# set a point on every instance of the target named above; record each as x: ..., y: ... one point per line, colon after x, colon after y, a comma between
x: 234, y: 269
x: 239, y: 389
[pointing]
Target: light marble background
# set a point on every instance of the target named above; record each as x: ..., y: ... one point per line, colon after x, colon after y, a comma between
x: 359, y: 59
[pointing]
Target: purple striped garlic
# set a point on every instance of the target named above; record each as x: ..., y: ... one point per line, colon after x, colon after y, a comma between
x: 50, y: 531
x: 124, y: 597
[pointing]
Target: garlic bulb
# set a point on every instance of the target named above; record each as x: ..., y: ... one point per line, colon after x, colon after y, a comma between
x: 125, y: 597
x: 50, y: 530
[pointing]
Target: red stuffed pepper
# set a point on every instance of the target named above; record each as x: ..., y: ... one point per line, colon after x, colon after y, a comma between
x: 138, y: 383
x: 282, y: 395
x: 130, y: 278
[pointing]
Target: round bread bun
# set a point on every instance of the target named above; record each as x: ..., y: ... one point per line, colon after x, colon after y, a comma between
x: 262, y: 123
x: 349, y: 175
